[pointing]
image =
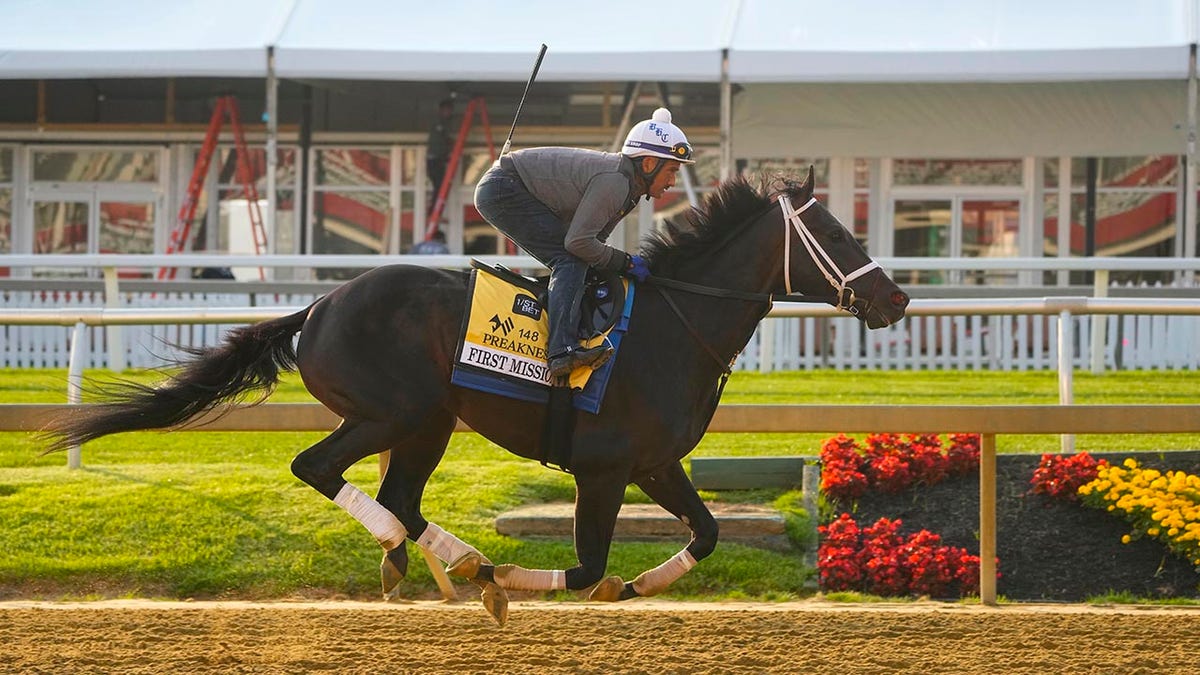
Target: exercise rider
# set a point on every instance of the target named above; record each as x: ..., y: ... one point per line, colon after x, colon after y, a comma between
x: 560, y: 204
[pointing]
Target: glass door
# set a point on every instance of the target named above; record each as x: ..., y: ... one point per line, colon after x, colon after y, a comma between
x: 93, y: 221
x: 989, y: 230
x: 61, y: 225
x: 126, y: 225
x: 957, y: 226
x: 923, y: 229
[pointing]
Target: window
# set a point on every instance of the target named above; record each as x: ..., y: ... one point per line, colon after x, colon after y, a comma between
x: 354, y: 192
x: 956, y: 172
x: 1135, y: 211
x: 96, y: 166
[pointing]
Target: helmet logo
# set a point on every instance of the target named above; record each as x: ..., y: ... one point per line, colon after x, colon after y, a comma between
x: 660, y: 132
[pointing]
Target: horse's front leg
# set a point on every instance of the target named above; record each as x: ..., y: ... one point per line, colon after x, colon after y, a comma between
x: 673, y: 490
x: 597, y: 503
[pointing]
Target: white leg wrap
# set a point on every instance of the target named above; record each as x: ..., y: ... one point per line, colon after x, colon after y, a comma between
x: 380, y: 522
x: 655, y: 581
x: 447, y: 547
x: 520, y: 579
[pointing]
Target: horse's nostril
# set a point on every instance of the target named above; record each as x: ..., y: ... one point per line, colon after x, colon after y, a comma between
x: 900, y: 299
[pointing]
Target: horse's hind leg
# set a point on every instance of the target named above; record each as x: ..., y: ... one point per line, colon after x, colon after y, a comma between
x: 323, y: 464
x: 673, y: 490
x: 411, y: 464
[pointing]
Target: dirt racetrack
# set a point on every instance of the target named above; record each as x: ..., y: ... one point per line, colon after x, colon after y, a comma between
x: 637, y: 637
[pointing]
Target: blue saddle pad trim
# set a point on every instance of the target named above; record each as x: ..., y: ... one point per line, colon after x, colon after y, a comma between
x: 588, y: 400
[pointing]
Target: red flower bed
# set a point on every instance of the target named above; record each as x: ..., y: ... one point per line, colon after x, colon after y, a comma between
x: 1061, y: 477
x: 881, y: 561
x: 892, y: 463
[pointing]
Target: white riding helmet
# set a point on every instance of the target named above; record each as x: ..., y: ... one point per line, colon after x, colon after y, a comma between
x: 657, y: 137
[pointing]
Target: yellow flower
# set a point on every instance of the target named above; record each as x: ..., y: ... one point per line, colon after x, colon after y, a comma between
x: 1126, y: 539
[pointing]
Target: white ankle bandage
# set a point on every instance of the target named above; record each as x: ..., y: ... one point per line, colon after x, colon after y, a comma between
x: 380, y: 522
x: 447, y: 547
x: 516, y: 578
x: 655, y: 581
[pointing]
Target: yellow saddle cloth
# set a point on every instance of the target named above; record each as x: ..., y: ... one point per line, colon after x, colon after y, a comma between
x: 506, y: 334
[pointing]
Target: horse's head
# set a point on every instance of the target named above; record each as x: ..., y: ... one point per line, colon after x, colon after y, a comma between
x: 823, y: 259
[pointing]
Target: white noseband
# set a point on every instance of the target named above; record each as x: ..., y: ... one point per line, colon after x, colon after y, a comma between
x: 828, y: 268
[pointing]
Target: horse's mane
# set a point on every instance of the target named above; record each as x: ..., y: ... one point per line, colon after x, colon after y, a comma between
x: 730, y: 204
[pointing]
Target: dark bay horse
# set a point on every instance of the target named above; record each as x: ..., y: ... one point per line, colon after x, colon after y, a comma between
x: 378, y: 352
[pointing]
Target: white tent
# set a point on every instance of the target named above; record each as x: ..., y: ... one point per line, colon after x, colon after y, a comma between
x: 860, y: 77
x: 768, y: 40
x: 961, y: 41
x: 137, y: 38
x: 486, y: 40
x: 978, y: 78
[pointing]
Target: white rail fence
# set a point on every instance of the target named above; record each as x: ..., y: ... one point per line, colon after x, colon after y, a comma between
x: 996, y: 340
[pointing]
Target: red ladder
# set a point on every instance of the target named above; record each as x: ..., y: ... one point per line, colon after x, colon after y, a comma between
x: 475, y: 104
x: 177, y: 242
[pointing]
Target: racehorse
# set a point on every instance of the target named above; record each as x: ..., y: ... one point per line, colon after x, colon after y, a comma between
x: 378, y: 352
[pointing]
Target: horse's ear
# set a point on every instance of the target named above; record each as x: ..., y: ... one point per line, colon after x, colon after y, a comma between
x: 806, y: 188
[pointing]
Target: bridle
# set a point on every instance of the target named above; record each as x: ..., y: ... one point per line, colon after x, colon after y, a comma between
x: 829, y: 269
x: 845, y: 297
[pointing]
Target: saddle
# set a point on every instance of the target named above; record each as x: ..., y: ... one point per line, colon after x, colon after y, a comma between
x: 503, y: 344
x: 502, y: 348
x: 603, y: 296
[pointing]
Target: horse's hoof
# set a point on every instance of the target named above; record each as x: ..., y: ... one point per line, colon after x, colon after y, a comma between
x: 495, y: 599
x: 467, y: 565
x: 391, y: 571
x: 608, y: 590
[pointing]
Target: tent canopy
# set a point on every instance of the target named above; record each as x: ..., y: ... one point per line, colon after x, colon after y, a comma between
x: 68, y: 39
x: 485, y: 40
x: 967, y: 40
x: 963, y: 119
x: 464, y: 40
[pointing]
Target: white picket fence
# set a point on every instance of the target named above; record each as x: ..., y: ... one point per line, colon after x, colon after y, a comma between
x: 24, y: 346
x: 1005, y: 342
x: 969, y: 342
x: 992, y: 341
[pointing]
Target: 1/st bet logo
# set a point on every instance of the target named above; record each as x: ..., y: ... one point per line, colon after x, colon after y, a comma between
x: 527, y: 306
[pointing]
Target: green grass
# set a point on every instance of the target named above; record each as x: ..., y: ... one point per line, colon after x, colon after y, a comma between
x: 218, y: 514
x: 1127, y: 598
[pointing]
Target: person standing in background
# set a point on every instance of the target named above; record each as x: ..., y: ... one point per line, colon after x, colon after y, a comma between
x: 435, y: 245
x: 437, y: 147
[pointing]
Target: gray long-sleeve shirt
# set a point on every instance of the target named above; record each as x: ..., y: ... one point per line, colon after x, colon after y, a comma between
x: 588, y: 190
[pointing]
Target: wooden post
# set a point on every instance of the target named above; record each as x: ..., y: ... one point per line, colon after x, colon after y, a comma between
x: 987, y: 519
x: 439, y: 575
x: 811, y: 482
x: 1066, y: 372
x: 75, y: 384
x: 116, y: 343
x: 1099, y: 322
x: 41, y: 104
x: 726, y: 119
x: 766, y: 345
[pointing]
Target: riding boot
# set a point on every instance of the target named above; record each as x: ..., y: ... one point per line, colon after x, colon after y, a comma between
x: 566, y: 294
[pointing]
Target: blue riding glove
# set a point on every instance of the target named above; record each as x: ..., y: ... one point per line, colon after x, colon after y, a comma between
x: 635, y: 266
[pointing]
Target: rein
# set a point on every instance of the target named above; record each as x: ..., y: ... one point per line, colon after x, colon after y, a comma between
x: 844, y: 295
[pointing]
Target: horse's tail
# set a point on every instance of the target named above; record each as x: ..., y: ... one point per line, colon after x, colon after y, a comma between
x: 250, y: 359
